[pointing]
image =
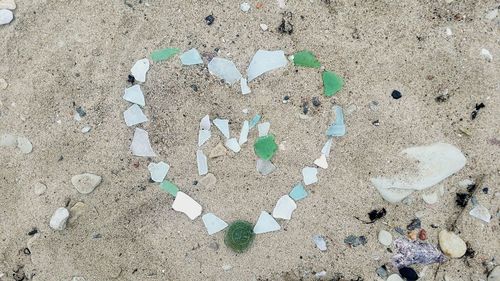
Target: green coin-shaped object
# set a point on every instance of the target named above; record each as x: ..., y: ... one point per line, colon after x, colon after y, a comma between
x: 239, y: 236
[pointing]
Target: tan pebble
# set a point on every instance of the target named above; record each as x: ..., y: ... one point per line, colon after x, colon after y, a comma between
x: 451, y: 244
x: 208, y: 180
x: 218, y: 151
x: 76, y: 211
x: 39, y: 188
x: 412, y: 235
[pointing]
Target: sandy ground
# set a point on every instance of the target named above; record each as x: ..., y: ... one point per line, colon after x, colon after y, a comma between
x: 58, y: 55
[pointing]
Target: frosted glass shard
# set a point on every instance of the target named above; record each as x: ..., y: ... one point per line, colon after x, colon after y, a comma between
x: 223, y: 126
x: 244, y: 133
x: 244, y: 86
x: 265, y: 167
x: 327, y: 147
x: 191, y: 57
x: 264, y: 61
x: 201, y: 160
x: 133, y: 115
x: 436, y: 162
x: 266, y: 223
x: 205, y: 123
x: 8, y: 140
x: 224, y: 69
x: 320, y: 242
x: 263, y: 128
x: 284, y: 208
x: 480, y: 212
x: 233, y: 145
x: 134, y: 95
x: 298, y: 192
x: 486, y: 55
x: 158, y: 171
x: 337, y: 129
x: 203, y: 137
x: 254, y: 121
x: 393, y: 195
x: 140, y: 69
x: 140, y: 144
x: 321, y: 162
x: 185, y: 204
x: 310, y: 175
x: 213, y: 224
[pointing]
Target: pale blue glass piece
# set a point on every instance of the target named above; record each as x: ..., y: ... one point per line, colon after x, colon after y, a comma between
x: 264, y: 61
x: 337, y: 129
x: 191, y: 57
x: 224, y: 69
x: 266, y: 223
x: 298, y: 192
x: 255, y: 120
x: 213, y: 223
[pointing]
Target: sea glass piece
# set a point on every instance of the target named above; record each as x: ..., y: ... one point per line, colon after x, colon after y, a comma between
x: 169, y: 187
x: 244, y: 133
x: 265, y: 147
x: 265, y: 167
x: 306, y: 59
x: 233, y: 144
x: 134, y: 95
x: 255, y: 120
x: 213, y: 224
x: 337, y: 129
x: 223, y: 126
x: 140, y: 144
x: 284, y: 208
x: 187, y: 205
x: 203, y: 136
x: 139, y: 70
x: 327, y: 147
x: 133, y: 115
x: 298, y: 192
x: 224, y: 69
x: 201, y: 160
x: 266, y: 223
x: 320, y: 242
x: 263, y: 128
x: 310, y: 175
x: 321, y: 162
x: 164, y: 54
x: 480, y: 212
x: 239, y: 236
x: 158, y: 171
x: 264, y: 61
x: 332, y: 83
x: 191, y: 57
x: 205, y: 123
x: 245, y: 90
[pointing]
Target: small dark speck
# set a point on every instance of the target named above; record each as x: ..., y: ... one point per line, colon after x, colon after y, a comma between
x: 210, y: 19
x: 195, y: 182
x: 33, y: 232
x: 396, y: 94
x: 194, y: 87
x: 485, y: 190
x: 27, y: 251
x: 316, y: 102
x: 61, y: 158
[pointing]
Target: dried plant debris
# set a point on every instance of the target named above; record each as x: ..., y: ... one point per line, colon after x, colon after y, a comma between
x: 478, y: 107
x: 415, y: 252
x: 374, y: 215
x: 286, y: 26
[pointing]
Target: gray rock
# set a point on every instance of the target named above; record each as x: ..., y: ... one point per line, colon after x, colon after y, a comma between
x: 86, y: 183
x: 59, y: 218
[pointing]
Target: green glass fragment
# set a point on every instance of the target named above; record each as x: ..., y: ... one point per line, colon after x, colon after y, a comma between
x: 169, y: 187
x: 332, y: 83
x: 306, y: 58
x: 239, y: 236
x: 265, y: 147
x: 164, y: 54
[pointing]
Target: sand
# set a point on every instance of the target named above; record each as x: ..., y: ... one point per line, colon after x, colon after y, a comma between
x: 58, y: 55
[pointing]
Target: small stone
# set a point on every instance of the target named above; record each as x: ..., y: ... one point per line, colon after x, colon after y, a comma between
x: 494, y: 274
x: 486, y: 55
x: 422, y: 234
x: 218, y: 151
x: 394, y: 277
x: 7, y: 4
x: 59, y: 218
x: 382, y: 271
x: 6, y: 16
x: 209, y: 20
x: 265, y: 167
x: 396, y: 94
x: 86, y: 183
x: 158, y: 171
x: 185, y: 204
x: 264, y: 26
x: 309, y: 175
x: 208, y: 180
x: 214, y: 246
x: 320, y: 274
x: 39, y: 188
x: 451, y: 244
x: 78, y: 278
x: 373, y: 105
x: 3, y: 84
x: 321, y: 162
x: 213, y: 224
x: 227, y: 267
x: 448, y: 31
x: 355, y: 241
x: 408, y: 273
x: 76, y: 211
x: 24, y: 145
x: 385, y: 238
x: 414, y: 224
x: 265, y: 223
x: 245, y: 7
x: 284, y: 208
x: 320, y: 242
x: 412, y: 235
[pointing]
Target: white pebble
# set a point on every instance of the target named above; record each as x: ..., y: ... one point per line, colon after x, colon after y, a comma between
x: 451, y: 244
x: 86, y: 129
x: 59, y: 218
x: 6, y: 16
x: 3, y: 84
x: 39, y: 188
x: 86, y: 183
x: 385, y: 237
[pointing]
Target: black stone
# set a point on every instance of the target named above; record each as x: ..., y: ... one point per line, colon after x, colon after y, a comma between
x: 316, y: 102
x: 209, y: 20
x: 414, y: 224
x: 396, y: 94
x: 286, y: 98
x: 408, y: 273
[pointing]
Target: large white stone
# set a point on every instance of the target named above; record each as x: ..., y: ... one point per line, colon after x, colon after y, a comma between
x: 385, y: 238
x: 187, y: 205
x: 451, y: 244
x: 6, y: 16
x: 59, y: 218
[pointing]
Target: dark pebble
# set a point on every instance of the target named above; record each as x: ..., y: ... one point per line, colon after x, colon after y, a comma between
x: 33, y: 232
x: 305, y: 109
x: 316, y: 102
x: 151, y: 180
x: 485, y: 190
x: 209, y: 20
x: 396, y: 94
x: 408, y: 273
x: 194, y: 87
x: 286, y: 98
x: 377, y: 214
x: 414, y: 224
x: 376, y: 123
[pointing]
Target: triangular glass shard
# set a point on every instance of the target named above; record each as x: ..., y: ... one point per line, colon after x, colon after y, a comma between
x: 332, y: 83
x: 266, y: 223
x: 191, y: 57
x: 244, y: 133
x: 310, y: 175
x: 320, y: 242
x: 205, y: 123
x: 263, y: 128
x: 139, y: 70
x: 244, y: 86
x: 133, y: 115
x: 327, y: 147
x: 224, y: 69
x: 140, y: 144
x: 185, y: 204
x: 306, y: 59
x: 164, y: 54
x: 298, y: 192
x: 223, y: 126
x: 233, y: 145
x: 201, y: 160
x: 158, y: 171
x: 337, y: 129
x: 213, y: 224
x: 264, y: 61
x: 265, y: 167
x: 134, y: 95
x: 284, y: 208
x: 480, y: 212
x: 203, y: 137
x: 321, y: 162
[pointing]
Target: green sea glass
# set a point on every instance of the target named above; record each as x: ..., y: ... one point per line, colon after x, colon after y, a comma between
x: 239, y: 236
x: 265, y: 147
x: 332, y: 83
x: 164, y: 54
x: 169, y: 187
x: 306, y: 59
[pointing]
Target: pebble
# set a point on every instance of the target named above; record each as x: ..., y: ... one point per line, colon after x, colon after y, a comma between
x: 320, y: 242
x: 321, y: 162
x: 6, y: 16
x: 210, y: 19
x: 59, y: 218
x: 76, y: 211
x: 396, y: 94
x: 284, y: 208
x: 373, y: 105
x: 385, y: 237
x: 422, y: 234
x: 7, y: 4
x: 494, y: 274
x: 24, y: 145
x: 3, y: 84
x: 408, y: 273
x: 208, y: 180
x: 451, y: 244
x: 86, y: 183
x: 414, y: 224
x: 245, y: 7
x: 140, y: 69
x: 218, y: 151
x: 39, y: 188
x: 264, y: 26
x: 394, y: 277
